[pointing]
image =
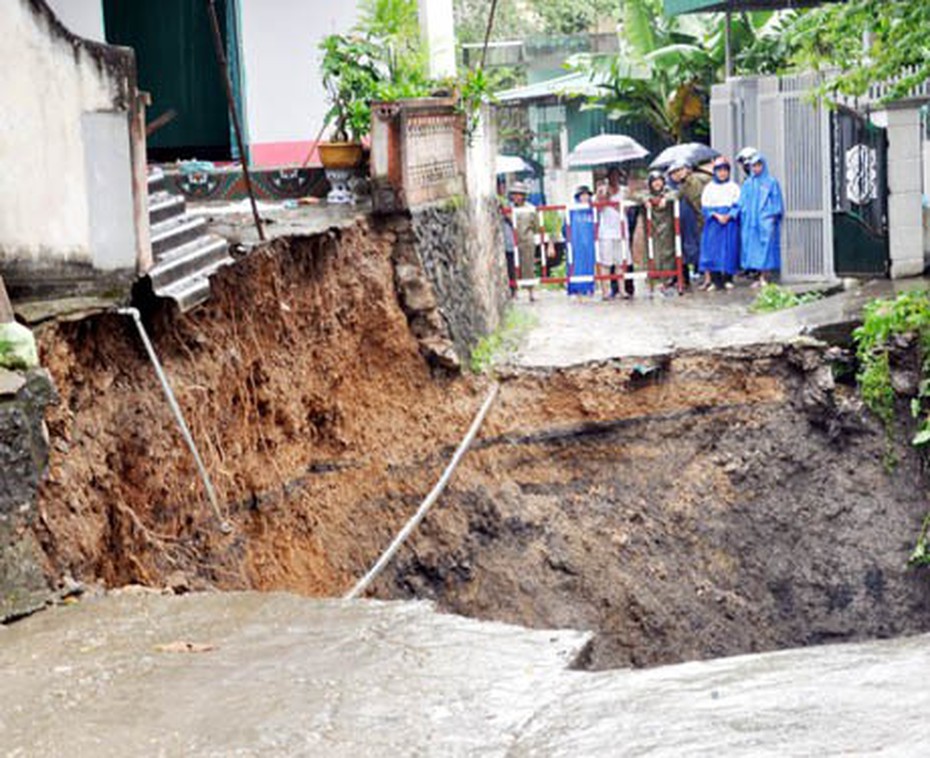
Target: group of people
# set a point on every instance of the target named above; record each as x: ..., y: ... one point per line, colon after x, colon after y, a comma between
x: 725, y: 228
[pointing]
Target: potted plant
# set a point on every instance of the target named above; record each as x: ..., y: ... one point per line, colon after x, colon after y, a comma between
x: 351, y: 75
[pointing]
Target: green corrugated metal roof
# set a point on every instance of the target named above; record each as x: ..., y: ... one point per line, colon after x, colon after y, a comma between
x: 567, y: 86
x: 679, y: 7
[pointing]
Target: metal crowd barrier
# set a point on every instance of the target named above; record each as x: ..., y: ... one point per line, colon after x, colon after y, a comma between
x: 541, y: 240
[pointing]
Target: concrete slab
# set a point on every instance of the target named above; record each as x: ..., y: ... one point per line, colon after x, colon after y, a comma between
x: 234, y: 221
x: 251, y: 674
x: 569, y: 331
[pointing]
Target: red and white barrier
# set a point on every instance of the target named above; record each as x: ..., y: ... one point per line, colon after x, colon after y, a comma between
x: 540, y: 239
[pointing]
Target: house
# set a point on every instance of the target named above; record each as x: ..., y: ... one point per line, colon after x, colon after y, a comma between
x: 271, y: 46
x: 73, y: 214
x: 545, y: 121
x: 854, y: 177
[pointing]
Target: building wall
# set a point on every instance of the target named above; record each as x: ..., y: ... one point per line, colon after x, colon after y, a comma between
x: 284, y: 97
x: 52, y: 81
x: 83, y: 17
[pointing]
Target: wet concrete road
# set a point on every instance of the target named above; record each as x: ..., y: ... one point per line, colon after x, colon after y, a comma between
x: 571, y: 331
x: 292, y: 676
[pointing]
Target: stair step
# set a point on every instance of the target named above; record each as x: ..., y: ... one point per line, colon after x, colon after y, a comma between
x: 163, y: 205
x: 175, y: 232
x: 187, y: 293
x: 156, y: 180
x: 192, y: 290
x: 200, y: 254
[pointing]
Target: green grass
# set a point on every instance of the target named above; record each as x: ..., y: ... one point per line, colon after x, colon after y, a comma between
x: 774, y: 298
x: 503, y: 342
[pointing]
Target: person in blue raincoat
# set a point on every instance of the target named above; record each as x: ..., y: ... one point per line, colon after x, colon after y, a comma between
x: 720, y: 239
x: 761, y: 212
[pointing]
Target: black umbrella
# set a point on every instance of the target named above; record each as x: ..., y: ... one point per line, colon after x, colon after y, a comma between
x: 693, y: 152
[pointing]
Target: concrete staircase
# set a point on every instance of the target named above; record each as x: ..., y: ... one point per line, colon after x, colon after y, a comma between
x: 185, y: 252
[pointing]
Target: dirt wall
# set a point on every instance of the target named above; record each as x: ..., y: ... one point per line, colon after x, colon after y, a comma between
x: 699, y: 506
x: 303, y: 385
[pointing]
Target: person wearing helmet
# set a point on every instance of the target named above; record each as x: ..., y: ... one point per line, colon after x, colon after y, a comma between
x: 526, y: 225
x: 660, y: 200
x: 743, y: 156
x: 690, y: 184
x: 761, y: 212
x: 720, y: 240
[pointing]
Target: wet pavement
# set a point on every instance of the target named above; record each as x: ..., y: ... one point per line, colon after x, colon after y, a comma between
x: 570, y: 330
x: 294, y: 676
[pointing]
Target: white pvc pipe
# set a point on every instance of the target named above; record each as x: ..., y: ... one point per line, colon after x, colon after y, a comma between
x: 431, y: 498
x: 179, y: 416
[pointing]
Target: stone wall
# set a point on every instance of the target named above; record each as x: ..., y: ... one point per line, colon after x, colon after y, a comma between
x: 459, y: 247
x: 23, y: 459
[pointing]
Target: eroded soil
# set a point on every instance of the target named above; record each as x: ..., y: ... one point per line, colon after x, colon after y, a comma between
x: 687, y: 506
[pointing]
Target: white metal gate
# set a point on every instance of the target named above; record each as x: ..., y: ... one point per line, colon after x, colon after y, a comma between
x: 779, y: 117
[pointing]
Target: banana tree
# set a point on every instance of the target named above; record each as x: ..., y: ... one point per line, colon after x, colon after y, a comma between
x: 666, y: 67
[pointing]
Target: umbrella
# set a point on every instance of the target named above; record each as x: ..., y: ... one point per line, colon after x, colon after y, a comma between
x: 510, y: 164
x: 693, y: 152
x: 606, y: 148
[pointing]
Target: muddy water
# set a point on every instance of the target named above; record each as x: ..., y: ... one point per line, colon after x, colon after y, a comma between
x: 292, y: 676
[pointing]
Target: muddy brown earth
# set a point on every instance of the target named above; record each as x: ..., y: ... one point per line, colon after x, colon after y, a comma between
x: 686, y: 506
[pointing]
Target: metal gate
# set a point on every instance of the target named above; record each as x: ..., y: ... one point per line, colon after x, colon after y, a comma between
x: 860, y: 195
x: 778, y: 116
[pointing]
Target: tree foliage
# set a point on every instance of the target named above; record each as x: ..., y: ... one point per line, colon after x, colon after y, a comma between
x: 869, y: 41
x: 667, y: 65
x: 574, y: 16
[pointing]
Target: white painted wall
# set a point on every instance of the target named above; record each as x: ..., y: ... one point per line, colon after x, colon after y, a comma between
x: 82, y: 17
x: 48, y: 84
x: 905, y: 206
x: 285, y: 99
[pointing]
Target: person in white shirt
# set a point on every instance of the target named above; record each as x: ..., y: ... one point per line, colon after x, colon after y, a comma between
x: 611, y: 250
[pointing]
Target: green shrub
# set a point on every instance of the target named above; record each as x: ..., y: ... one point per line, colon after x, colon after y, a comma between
x: 774, y: 298
x: 503, y: 342
x: 908, y: 315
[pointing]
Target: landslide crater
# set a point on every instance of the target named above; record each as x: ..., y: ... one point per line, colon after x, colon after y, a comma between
x: 703, y: 505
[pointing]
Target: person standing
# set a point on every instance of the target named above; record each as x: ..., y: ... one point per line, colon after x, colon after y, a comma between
x: 743, y: 156
x: 510, y: 248
x: 610, y: 247
x: 720, y: 240
x: 691, y: 185
x: 661, y: 202
x: 526, y: 223
x: 580, y: 232
x: 761, y: 212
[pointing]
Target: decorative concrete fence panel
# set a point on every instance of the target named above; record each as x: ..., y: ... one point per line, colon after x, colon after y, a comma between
x: 417, y: 153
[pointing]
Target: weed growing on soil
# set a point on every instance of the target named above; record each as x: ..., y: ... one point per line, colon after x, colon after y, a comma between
x: 774, y: 298
x: 902, y: 321
x: 502, y: 342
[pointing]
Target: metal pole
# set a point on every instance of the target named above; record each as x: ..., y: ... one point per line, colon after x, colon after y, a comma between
x: 233, y: 114
x: 133, y: 313
x: 431, y: 498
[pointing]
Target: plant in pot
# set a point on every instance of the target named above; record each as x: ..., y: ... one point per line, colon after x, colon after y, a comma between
x: 352, y: 73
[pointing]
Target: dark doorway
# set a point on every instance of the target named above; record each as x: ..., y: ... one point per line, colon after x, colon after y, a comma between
x: 177, y: 65
x: 860, y: 195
